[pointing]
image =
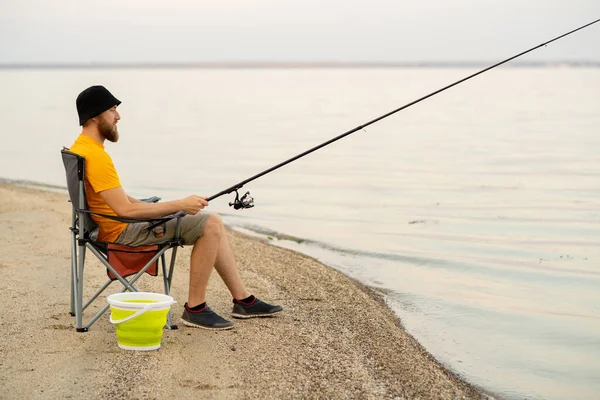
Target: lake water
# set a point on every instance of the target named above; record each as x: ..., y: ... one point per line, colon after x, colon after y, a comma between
x: 476, y: 211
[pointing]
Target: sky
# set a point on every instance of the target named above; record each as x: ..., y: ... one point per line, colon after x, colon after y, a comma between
x: 121, y: 31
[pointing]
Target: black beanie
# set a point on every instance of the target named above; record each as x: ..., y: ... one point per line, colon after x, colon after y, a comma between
x: 93, y: 101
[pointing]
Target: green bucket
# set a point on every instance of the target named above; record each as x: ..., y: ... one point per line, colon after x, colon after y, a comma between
x: 139, y: 318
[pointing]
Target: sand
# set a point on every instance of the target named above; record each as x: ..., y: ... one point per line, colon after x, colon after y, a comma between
x: 335, y: 339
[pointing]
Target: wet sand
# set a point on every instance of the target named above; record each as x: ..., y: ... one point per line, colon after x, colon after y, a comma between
x: 335, y: 338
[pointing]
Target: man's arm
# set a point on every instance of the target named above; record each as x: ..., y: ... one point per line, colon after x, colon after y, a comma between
x: 121, y: 204
x: 132, y: 199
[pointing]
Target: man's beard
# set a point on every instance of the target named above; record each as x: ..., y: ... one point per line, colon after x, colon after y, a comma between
x: 108, y: 131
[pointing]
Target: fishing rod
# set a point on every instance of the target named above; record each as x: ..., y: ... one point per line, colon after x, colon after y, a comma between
x: 246, y: 201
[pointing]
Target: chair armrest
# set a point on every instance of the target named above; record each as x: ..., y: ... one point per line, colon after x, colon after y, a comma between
x: 153, y: 199
x: 128, y: 220
x: 179, y: 214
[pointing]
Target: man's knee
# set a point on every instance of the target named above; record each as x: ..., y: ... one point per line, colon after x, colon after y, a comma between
x: 214, y: 225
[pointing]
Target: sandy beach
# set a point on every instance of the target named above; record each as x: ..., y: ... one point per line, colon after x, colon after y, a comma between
x: 335, y: 338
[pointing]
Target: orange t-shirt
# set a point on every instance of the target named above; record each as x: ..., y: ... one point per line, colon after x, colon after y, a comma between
x: 100, y: 174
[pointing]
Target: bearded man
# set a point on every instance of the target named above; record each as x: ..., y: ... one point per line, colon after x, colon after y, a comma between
x: 98, y: 115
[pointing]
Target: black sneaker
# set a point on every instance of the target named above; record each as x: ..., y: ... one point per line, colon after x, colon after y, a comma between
x: 205, y: 318
x: 255, y: 308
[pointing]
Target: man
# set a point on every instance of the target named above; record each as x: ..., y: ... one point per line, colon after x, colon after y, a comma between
x: 98, y: 115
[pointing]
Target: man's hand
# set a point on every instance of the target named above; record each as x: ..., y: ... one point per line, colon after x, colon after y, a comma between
x: 193, y: 204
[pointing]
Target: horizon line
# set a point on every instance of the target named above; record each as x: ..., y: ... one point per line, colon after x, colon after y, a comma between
x: 291, y: 64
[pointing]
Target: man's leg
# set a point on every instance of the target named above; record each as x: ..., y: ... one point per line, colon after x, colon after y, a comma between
x: 245, y: 305
x: 213, y: 249
x: 227, y: 267
x: 203, y: 259
x: 204, y: 255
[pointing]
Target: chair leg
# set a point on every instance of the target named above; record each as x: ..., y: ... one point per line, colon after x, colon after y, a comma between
x: 78, y: 286
x: 163, y: 265
x: 167, y: 282
x: 98, y: 292
x: 97, y: 316
x: 73, y: 271
x: 172, y: 266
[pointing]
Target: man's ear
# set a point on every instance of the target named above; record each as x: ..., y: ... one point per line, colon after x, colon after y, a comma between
x: 90, y: 121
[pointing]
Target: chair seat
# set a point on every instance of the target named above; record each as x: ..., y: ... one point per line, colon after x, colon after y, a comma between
x: 129, y: 261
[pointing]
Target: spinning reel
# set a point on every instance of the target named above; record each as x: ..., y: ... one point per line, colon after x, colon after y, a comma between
x: 245, y: 202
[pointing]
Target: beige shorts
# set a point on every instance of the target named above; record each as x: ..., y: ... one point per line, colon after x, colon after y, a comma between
x: 192, y: 227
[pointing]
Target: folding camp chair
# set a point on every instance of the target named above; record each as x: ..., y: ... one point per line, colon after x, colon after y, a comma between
x: 84, y: 235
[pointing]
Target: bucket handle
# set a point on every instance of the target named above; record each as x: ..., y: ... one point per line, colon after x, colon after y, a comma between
x: 132, y: 316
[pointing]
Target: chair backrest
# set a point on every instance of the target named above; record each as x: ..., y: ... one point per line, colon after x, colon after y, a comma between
x: 75, y: 171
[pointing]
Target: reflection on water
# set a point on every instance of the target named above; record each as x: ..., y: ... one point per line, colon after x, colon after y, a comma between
x: 478, y: 211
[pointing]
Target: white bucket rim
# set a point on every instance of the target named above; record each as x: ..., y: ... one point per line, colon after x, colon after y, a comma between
x: 118, y: 300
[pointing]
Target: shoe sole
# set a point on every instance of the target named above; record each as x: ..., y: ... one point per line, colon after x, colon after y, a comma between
x: 246, y: 316
x: 192, y: 325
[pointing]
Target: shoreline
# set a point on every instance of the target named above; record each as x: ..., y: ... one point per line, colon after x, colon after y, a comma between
x: 336, y: 337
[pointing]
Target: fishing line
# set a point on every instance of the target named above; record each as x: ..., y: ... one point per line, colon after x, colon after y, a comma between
x: 246, y: 201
